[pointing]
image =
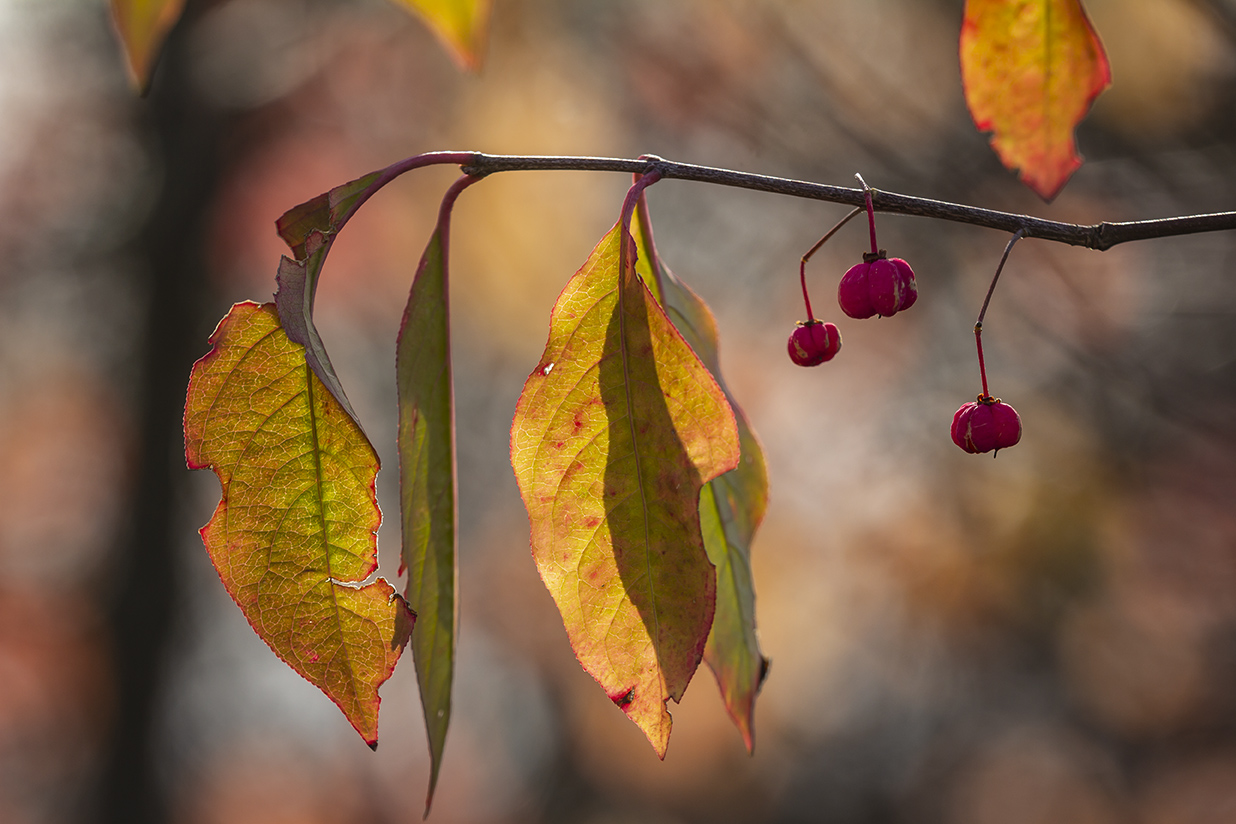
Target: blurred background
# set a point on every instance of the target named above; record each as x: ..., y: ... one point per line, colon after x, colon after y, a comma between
x: 1046, y: 637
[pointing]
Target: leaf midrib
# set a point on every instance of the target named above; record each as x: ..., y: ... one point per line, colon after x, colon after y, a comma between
x: 330, y: 575
x: 623, y: 262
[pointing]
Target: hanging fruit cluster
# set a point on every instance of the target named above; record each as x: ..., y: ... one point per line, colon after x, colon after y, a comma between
x: 883, y: 286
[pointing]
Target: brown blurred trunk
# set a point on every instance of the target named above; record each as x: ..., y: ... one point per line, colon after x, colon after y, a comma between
x: 172, y: 274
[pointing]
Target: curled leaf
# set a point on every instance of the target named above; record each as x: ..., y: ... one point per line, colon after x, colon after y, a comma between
x: 310, y: 229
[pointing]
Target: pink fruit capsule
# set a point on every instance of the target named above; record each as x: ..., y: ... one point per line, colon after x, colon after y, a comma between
x: 877, y: 286
x: 986, y: 424
x: 814, y: 342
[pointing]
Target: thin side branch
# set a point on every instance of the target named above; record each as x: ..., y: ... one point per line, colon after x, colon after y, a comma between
x: 1099, y: 236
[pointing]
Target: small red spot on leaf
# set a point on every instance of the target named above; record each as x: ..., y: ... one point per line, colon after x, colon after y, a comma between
x: 623, y: 700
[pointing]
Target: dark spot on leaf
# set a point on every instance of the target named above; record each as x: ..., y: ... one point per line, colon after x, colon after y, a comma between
x: 623, y: 700
x: 764, y: 665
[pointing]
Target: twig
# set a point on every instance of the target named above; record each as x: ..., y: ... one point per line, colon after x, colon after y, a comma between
x: 1099, y: 236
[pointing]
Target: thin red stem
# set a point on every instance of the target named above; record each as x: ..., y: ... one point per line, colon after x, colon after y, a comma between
x: 403, y: 167
x: 1018, y: 235
x: 875, y: 247
x: 830, y: 233
x: 802, y: 276
x: 626, y: 242
x: 978, y: 342
x: 802, y: 266
x: 978, y: 324
x: 444, y: 233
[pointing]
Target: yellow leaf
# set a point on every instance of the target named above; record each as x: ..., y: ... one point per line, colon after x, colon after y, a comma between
x: 294, y: 535
x: 616, y: 431
x: 142, y: 26
x: 731, y: 505
x: 460, y: 24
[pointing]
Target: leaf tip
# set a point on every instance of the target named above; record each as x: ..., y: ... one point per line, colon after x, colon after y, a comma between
x: 142, y: 28
x: 462, y: 27
x: 434, y: 770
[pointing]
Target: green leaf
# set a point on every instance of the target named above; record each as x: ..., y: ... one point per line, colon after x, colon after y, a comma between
x: 1031, y: 70
x: 459, y: 24
x: 731, y: 505
x: 142, y: 26
x: 294, y: 535
x: 617, y: 429
x: 427, y: 480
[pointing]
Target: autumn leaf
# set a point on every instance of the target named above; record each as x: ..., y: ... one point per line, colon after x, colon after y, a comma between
x: 427, y: 480
x: 616, y: 431
x: 294, y: 535
x: 309, y: 230
x: 459, y: 24
x: 731, y: 506
x: 142, y: 26
x: 1031, y: 70
x: 326, y: 213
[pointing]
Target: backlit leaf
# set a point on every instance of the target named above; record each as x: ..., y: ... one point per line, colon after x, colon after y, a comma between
x: 1030, y: 70
x: 427, y: 480
x: 310, y: 230
x: 324, y: 214
x: 294, y: 535
x: 460, y: 24
x: 142, y: 26
x: 616, y: 431
x: 732, y: 505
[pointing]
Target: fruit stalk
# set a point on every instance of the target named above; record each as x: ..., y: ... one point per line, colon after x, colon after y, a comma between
x: 802, y: 266
x: 978, y: 324
x: 875, y: 247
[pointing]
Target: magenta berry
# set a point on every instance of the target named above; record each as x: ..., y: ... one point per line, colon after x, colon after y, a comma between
x: 877, y: 286
x: 986, y: 424
x: 814, y: 342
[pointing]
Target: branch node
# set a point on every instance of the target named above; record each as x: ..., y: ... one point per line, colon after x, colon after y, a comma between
x: 656, y: 163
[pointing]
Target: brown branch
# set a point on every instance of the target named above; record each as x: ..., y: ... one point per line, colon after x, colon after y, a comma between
x: 1099, y: 236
